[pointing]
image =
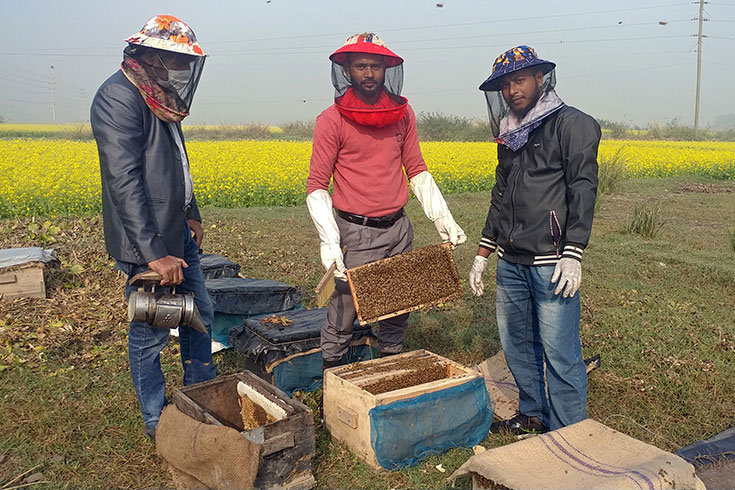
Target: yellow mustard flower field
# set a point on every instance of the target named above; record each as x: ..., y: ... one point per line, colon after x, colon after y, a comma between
x: 59, y: 177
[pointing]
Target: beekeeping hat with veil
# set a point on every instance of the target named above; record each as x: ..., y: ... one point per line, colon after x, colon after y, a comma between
x: 164, y: 61
x: 390, y: 106
x: 509, y: 129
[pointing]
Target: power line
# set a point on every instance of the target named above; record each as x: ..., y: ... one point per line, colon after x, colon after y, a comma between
x: 31, y: 51
x: 461, y: 24
x: 454, y: 38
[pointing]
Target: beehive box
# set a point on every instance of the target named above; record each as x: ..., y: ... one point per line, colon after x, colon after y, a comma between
x: 287, y: 433
x: 283, y: 347
x: 355, y: 393
x: 388, y: 287
x: 23, y: 281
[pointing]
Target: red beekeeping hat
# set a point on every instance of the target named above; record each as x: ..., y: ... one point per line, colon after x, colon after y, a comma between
x: 367, y: 43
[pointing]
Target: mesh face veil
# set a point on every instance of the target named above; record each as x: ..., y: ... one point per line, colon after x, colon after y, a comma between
x: 350, y: 99
x: 513, y: 60
x: 366, y: 43
x: 498, y: 109
x: 393, y: 82
x: 163, y: 36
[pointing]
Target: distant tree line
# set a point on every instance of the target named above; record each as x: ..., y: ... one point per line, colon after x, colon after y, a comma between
x: 432, y: 126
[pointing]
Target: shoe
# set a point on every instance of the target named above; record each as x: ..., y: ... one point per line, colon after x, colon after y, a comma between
x: 150, y: 433
x: 518, y: 425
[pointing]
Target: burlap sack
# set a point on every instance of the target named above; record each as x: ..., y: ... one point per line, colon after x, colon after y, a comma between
x: 502, y: 386
x: 586, y: 455
x: 213, y: 456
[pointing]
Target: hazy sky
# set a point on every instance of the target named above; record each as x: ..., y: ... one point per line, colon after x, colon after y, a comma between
x: 269, y: 60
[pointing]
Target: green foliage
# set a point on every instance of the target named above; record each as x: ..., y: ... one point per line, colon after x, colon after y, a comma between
x: 228, y: 132
x: 646, y: 220
x: 44, y: 234
x: 610, y: 172
x: 435, y: 126
x: 80, y: 132
x: 298, y: 130
x: 674, y: 130
x: 618, y: 130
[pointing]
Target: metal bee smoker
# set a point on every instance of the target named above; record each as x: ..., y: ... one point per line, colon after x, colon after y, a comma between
x: 162, y: 310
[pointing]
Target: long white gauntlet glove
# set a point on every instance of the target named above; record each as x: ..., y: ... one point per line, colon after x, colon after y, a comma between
x: 319, y: 203
x: 476, y: 272
x: 435, y: 208
x: 568, y: 271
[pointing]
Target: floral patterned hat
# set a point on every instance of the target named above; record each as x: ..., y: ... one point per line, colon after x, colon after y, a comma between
x: 368, y: 43
x: 512, y: 60
x: 168, y: 33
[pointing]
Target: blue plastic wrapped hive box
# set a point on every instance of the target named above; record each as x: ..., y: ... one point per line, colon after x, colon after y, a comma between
x: 238, y: 298
x: 289, y: 356
x: 215, y: 266
x: 400, y: 424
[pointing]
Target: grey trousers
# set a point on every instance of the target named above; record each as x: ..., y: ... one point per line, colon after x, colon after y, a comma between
x: 364, y: 245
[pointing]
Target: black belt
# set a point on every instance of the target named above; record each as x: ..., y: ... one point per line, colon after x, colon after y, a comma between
x: 378, y: 222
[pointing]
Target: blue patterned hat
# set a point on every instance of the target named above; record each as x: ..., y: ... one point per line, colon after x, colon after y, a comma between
x: 512, y: 60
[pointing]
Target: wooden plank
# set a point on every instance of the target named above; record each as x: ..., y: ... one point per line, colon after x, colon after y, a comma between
x: 193, y: 409
x: 298, y: 481
x: 347, y: 416
x: 278, y: 443
x: 325, y: 288
x: 351, y: 371
x: 414, y: 391
x: 23, y: 282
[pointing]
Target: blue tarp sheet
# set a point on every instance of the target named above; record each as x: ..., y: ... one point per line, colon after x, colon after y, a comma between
x: 405, y: 432
x: 304, y: 373
x: 720, y: 446
x: 247, y: 296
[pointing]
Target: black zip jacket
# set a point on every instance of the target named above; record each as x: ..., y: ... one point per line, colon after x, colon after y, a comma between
x: 544, y: 195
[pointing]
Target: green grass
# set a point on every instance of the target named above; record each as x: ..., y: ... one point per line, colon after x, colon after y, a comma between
x: 646, y: 219
x: 658, y: 310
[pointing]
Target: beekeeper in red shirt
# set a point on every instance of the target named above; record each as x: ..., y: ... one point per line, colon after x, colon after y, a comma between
x: 365, y: 142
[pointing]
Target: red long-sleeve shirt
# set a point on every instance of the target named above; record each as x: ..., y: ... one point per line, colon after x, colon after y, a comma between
x: 365, y: 162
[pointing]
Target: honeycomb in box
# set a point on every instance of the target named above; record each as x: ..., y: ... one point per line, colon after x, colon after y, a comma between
x: 401, y: 374
x: 253, y: 415
x: 423, y: 277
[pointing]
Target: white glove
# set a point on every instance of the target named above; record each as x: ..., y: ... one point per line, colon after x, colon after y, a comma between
x: 476, y: 272
x: 570, y: 272
x: 319, y: 204
x: 435, y: 208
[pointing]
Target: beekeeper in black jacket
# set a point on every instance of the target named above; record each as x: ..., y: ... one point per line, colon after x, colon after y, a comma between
x: 539, y: 222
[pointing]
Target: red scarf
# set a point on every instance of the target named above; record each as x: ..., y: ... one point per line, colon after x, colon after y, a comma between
x: 165, y: 106
x: 387, y: 110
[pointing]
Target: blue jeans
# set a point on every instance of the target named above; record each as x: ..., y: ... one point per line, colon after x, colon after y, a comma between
x: 536, y: 327
x: 145, y: 342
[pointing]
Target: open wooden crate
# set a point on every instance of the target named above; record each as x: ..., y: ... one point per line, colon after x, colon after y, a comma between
x: 410, y: 281
x: 287, y: 441
x: 351, y: 391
